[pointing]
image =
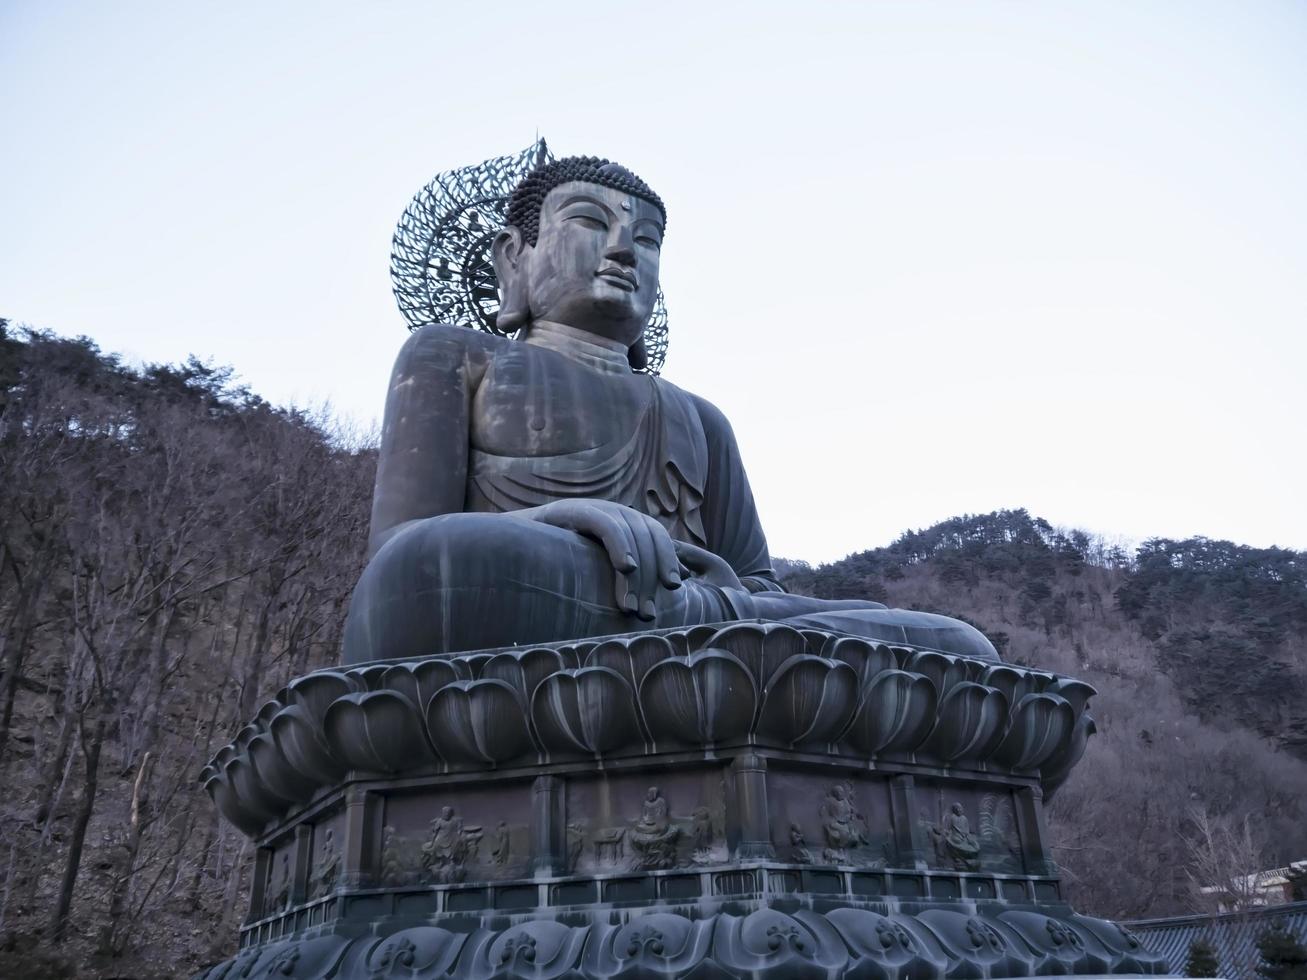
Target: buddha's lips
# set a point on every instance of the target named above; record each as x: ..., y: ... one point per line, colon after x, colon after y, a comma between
x: 626, y: 279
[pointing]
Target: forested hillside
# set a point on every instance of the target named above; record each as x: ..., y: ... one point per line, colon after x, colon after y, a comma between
x: 173, y: 549
x: 1198, y: 649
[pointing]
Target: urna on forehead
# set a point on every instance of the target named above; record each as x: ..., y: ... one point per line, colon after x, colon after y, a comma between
x: 529, y: 196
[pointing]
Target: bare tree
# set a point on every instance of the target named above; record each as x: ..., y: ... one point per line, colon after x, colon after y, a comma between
x: 1225, y: 861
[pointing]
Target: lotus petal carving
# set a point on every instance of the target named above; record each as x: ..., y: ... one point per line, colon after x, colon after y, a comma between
x: 248, y: 791
x: 698, y: 637
x: 972, y: 722
x: 377, y: 731
x: 276, y: 773
x: 1040, y: 726
x: 867, y: 659
x: 945, y: 672
x: 299, y: 737
x: 1013, y: 682
x: 1077, y: 693
x: 708, y: 698
x: 631, y: 659
x: 896, y: 713
x: 480, y: 722
x: 666, y: 690
x: 817, y: 641
x: 315, y: 692
x: 367, y: 678
x: 245, y: 819
x: 762, y: 647
x: 808, y: 700
x: 420, y: 681
x: 587, y: 710
x: 265, y: 713
x: 218, y: 784
x: 1055, y: 769
x: 524, y: 669
x: 243, y: 736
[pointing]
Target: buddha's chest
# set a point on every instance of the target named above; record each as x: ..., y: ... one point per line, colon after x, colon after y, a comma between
x: 532, y: 403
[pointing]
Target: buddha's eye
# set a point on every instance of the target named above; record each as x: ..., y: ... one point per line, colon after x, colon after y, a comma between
x: 589, y: 221
x: 648, y: 241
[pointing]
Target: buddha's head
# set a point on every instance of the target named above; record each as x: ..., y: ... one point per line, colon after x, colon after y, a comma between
x: 581, y: 248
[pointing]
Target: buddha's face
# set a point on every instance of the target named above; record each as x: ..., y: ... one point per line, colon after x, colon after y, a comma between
x: 595, y: 262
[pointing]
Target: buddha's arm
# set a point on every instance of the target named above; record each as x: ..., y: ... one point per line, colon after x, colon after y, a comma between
x: 422, y: 468
x: 729, y: 516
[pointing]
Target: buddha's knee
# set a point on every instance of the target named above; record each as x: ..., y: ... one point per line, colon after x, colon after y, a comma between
x: 929, y: 631
x: 461, y: 580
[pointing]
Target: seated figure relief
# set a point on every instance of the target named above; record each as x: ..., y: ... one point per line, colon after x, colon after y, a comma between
x: 539, y: 488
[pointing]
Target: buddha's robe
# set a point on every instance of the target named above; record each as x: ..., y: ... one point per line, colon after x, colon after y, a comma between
x: 478, y: 428
x: 662, y: 468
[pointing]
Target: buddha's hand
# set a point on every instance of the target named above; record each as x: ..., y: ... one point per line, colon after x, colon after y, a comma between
x: 706, y: 566
x: 639, y: 548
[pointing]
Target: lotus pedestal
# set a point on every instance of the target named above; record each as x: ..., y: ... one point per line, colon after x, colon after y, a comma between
x: 744, y: 800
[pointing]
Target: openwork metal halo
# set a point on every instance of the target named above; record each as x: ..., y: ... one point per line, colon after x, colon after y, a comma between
x: 440, y: 258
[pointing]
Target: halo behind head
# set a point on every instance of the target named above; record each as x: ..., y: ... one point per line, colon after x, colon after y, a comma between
x: 440, y: 259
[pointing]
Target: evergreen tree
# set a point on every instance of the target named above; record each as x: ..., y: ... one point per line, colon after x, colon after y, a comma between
x: 1202, y: 961
x: 1283, y: 957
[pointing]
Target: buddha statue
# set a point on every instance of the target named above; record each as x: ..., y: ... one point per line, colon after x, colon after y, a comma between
x: 538, y: 488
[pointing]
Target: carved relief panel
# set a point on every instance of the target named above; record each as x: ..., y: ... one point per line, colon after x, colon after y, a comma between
x: 277, y: 887
x: 326, y: 855
x: 968, y: 828
x: 830, y: 819
x: 443, y: 837
x: 646, y: 823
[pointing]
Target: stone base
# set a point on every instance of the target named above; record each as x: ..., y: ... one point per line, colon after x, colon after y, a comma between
x: 739, y: 800
x: 798, y: 936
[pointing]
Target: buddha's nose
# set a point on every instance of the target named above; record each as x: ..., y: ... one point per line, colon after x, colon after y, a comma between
x: 621, y: 246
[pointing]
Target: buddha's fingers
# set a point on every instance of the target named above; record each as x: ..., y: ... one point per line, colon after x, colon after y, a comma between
x: 645, y: 577
x: 624, y: 596
x: 669, y: 565
x: 602, y: 526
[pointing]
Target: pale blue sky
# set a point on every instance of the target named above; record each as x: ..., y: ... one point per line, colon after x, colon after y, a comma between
x: 930, y: 258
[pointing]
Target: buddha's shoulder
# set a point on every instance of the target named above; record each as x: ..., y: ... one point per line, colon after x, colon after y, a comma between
x: 444, y: 340
x: 712, y: 417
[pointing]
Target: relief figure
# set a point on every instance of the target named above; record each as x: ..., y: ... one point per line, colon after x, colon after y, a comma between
x: 450, y: 847
x: 842, y: 825
x: 799, y: 852
x: 327, y: 867
x: 501, y: 850
x: 654, y: 837
x: 955, y: 845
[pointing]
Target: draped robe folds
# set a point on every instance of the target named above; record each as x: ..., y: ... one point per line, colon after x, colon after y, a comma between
x: 662, y: 468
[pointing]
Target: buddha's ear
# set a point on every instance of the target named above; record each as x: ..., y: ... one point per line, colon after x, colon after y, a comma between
x: 637, y: 355
x: 509, y: 253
